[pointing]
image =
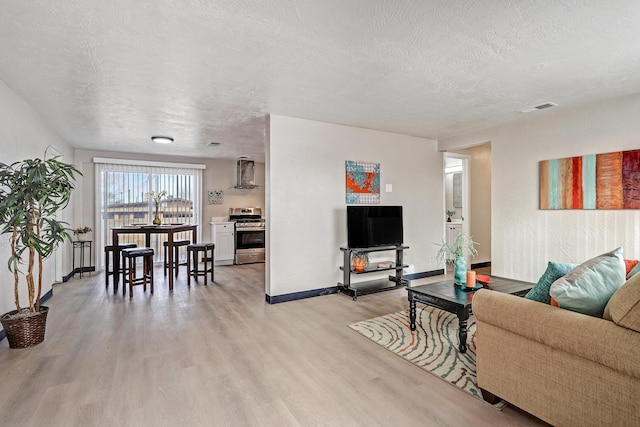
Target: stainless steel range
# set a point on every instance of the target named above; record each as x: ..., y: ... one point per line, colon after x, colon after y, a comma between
x: 250, y: 234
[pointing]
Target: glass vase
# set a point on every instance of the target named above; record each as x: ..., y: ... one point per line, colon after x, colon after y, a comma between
x: 156, y: 218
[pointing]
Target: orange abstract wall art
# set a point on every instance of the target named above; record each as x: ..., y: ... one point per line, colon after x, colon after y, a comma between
x: 362, y: 182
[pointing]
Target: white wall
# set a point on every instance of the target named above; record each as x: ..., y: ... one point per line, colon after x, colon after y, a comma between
x: 25, y: 135
x: 307, y: 208
x: 524, y: 238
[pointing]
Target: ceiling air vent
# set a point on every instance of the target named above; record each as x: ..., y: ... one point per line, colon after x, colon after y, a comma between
x: 213, y: 144
x: 539, y: 107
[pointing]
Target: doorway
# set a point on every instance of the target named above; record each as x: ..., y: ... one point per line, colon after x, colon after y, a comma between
x: 456, y: 197
x: 456, y: 189
x: 476, y: 191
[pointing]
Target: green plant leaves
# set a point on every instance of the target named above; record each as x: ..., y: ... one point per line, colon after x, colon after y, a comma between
x: 32, y: 191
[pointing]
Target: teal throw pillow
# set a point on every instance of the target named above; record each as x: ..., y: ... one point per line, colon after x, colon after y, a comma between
x: 554, y: 271
x: 588, y: 287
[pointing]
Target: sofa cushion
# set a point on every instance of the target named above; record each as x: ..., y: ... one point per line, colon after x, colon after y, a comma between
x: 554, y: 271
x: 588, y: 287
x: 624, y: 306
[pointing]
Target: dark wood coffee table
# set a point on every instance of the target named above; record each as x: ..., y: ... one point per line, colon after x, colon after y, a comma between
x: 456, y: 299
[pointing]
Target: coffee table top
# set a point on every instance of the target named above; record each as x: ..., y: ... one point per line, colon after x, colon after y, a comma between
x: 448, y: 291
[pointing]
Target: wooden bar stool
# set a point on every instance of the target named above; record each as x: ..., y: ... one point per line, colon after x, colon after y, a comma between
x: 129, y: 269
x: 177, y: 244
x: 108, y: 250
x: 193, y: 251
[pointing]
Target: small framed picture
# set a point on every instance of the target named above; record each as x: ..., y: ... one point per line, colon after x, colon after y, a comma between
x: 215, y: 197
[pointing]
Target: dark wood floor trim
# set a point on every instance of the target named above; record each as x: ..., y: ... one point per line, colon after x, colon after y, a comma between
x: 300, y: 295
x: 46, y: 296
x: 423, y: 274
x: 481, y: 264
x: 326, y: 291
x: 78, y: 270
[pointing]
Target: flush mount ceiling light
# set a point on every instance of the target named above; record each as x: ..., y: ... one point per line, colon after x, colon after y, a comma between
x: 539, y: 107
x: 162, y: 139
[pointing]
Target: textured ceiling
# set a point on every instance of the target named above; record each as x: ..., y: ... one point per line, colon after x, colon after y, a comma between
x: 109, y: 74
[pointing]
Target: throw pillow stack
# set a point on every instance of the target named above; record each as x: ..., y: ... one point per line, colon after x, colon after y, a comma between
x: 585, y: 288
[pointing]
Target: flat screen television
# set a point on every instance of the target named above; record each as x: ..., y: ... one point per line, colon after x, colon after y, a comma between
x: 369, y: 226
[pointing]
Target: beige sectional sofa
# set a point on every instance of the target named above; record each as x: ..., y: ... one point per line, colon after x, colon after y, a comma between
x: 566, y: 368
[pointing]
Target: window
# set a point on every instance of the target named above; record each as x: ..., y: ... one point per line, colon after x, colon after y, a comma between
x: 122, y: 198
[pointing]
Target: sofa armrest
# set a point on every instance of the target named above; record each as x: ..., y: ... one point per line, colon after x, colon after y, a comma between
x: 598, y: 340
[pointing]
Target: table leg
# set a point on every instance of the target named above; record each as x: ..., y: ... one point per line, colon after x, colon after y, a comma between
x: 412, y: 312
x: 73, y: 257
x: 463, y: 316
x: 81, y: 259
x: 170, y: 255
x: 116, y: 261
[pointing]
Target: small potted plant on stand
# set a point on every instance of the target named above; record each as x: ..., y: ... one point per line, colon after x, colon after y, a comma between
x: 360, y: 261
x: 461, y: 247
x: 31, y: 192
x: 81, y: 233
x: 450, y: 214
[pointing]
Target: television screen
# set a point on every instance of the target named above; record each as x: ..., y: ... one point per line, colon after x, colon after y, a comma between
x: 369, y: 226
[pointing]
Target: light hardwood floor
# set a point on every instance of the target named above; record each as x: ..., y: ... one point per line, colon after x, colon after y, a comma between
x: 218, y: 355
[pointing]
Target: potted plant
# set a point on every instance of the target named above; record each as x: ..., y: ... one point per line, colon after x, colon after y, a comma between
x: 31, y: 192
x: 450, y: 214
x: 462, y: 246
x: 360, y: 260
x: 81, y: 232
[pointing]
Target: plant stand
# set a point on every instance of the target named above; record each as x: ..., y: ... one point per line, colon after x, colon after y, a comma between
x: 82, y: 244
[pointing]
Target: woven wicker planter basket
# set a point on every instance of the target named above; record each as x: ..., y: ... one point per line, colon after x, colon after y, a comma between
x: 25, y: 331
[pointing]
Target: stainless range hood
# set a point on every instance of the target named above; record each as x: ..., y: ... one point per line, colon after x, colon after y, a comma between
x: 246, y: 175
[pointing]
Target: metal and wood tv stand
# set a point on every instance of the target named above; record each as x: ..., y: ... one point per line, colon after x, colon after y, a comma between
x: 372, y: 286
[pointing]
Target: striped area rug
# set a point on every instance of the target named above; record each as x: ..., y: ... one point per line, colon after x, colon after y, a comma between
x: 433, y: 346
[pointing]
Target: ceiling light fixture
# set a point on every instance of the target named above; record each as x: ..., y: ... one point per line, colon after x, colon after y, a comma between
x: 162, y: 139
